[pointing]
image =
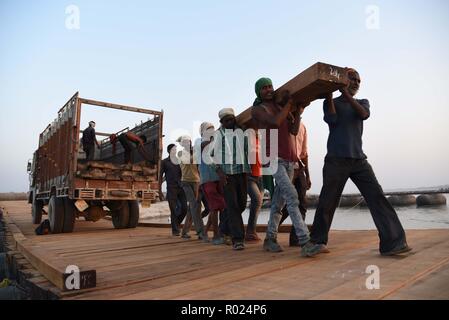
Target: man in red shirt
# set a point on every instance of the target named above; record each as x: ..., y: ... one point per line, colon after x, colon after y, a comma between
x: 130, y: 140
x: 284, y: 117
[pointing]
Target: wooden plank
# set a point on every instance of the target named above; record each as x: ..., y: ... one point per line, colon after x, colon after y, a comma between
x: 37, y: 258
x: 119, y: 185
x: 149, y: 171
x: 103, y: 165
x: 311, y: 84
x: 148, y: 263
x: 53, y: 272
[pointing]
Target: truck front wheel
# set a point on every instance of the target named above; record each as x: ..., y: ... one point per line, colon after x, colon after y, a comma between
x: 36, y: 210
x: 56, y: 214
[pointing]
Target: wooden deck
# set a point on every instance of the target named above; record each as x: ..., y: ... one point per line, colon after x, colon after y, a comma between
x: 148, y: 263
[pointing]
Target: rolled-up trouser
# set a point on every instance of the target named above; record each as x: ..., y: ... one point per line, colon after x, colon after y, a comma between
x: 336, y: 172
x: 285, y: 192
x: 300, y: 184
x: 191, y: 190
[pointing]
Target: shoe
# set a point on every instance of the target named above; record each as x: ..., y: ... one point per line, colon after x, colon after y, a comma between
x: 294, y: 243
x: 252, y: 237
x: 310, y: 249
x: 238, y: 246
x: 403, y: 248
x: 203, y: 237
x: 218, y: 241
x: 272, y: 245
x: 186, y: 236
x: 175, y: 234
x: 228, y: 240
x: 323, y: 248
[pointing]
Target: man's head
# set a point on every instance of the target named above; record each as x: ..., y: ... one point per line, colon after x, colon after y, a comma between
x: 207, y: 130
x: 227, y: 118
x: 113, y: 138
x: 171, y: 148
x: 185, y: 141
x: 92, y: 124
x: 264, y: 89
x: 354, y: 82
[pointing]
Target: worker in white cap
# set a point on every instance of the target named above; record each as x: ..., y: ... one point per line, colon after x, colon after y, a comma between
x: 190, y: 181
x: 233, y: 177
x: 211, y: 188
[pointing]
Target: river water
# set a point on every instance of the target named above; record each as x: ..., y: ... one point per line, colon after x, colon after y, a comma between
x: 360, y: 218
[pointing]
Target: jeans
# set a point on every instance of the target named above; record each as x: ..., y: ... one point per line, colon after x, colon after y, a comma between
x: 255, y: 192
x: 336, y: 172
x: 191, y: 190
x: 285, y: 192
x: 177, y: 203
x: 300, y: 184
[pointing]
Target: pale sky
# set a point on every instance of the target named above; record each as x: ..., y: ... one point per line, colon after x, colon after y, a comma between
x: 192, y: 58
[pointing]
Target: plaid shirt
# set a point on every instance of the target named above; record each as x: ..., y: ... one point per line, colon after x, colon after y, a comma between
x: 223, y: 143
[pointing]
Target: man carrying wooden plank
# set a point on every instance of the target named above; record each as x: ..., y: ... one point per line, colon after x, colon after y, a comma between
x: 171, y: 173
x: 269, y: 114
x: 232, y: 166
x: 301, y: 177
x: 345, y: 159
x: 191, y: 183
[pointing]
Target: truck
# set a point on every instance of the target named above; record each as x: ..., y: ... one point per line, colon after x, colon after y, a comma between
x: 69, y: 187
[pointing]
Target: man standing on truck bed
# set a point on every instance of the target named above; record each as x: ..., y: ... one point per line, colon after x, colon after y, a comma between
x: 89, y: 140
x: 128, y: 140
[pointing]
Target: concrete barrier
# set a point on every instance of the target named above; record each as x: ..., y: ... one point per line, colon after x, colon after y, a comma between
x: 363, y: 204
x: 312, y: 201
x: 402, y: 200
x: 431, y: 200
x: 350, y: 202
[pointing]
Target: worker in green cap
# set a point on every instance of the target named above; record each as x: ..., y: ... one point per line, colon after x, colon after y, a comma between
x: 282, y: 114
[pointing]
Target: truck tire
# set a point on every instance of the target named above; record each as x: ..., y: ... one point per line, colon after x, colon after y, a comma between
x: 36, y: 210
x: 69, y: 215
x: 133, y: 213
x: 120, y: 216
x: 56, y: 214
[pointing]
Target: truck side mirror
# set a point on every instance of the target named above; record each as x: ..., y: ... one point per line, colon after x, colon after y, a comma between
x: 29, y: 166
